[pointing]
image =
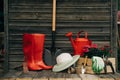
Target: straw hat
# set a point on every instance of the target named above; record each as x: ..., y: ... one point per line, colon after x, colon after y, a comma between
x: 64, y: 60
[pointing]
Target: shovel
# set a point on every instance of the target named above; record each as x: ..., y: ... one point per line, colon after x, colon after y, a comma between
x: 54, y: 52
x: 53, y: 27
x: 50, y: 56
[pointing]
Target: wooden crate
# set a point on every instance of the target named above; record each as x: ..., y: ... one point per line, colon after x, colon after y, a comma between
x: 89, y: 66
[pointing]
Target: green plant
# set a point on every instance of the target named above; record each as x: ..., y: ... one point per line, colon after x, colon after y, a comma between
x: 93, y: 50
x: 106, y: 51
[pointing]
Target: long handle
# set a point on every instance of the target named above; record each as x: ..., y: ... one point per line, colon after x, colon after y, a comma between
x: 54, y: 16
x: 53, y: 27
x: 85, y: 62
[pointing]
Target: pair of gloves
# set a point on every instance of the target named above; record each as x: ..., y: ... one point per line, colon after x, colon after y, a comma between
x: 97, y: 64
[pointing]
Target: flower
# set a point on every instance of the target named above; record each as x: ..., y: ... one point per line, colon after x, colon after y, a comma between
x: 94, y: 46
x: 93, y: 50
x: 106, y: 50
x: 86, y: 48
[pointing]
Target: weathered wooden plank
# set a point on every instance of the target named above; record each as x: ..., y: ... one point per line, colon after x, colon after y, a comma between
x: 40, y: 24
x: 24, y: 79
x: 59, y: 9
x: 44, y: 74
x: 28, y: 29
x: 49, y: 75
x: 105, y: 77
x: 88, y: 77
x: 116, y: 76
x: 30, y: 74
x: 91, y: 32
x: 61, y: 21
x: 66, y: 3
x: 12, y: 74
x: 18, y: 37
x: 40, y: 79
x: 19, y: 48
x: 16, y: 65
x: 75, y: 3
x: 72, y: 77
x: 13, y: 50
x: 7, y: 78
x: 82, y: 6
x: 15, y: 58
x: 28, y: 1
x: 57, y: 79
x: 59, y: 16
x: 29, y: 16
x: 6, y: 62
x: 96, y: 36
x: 3, y: 78
x: 57, y: 76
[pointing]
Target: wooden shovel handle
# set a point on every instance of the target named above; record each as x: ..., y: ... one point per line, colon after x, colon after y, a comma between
x: 54, y: 16
x: 85, y: 62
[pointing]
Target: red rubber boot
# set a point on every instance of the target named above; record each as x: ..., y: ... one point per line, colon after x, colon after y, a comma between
x: 29, y: 52
x: 38, y: 50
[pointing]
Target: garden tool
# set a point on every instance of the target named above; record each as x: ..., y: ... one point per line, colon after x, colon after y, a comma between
x: 111, y: 66
x: 53, y: 48
x: 108, y: 62
x: 33, y: 45
x: 71, y: 70
x: 84, y: 65
x: 79, y: 43
x: 47, y: 57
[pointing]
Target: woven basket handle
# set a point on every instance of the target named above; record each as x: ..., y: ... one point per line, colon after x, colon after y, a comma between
x: 86, y: 34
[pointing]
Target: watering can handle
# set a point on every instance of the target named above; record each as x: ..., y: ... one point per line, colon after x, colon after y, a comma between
x: 86, y: 34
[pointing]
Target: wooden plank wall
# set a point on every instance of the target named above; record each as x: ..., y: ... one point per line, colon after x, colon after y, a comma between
x: 35, y: 16
x: 1, y: 16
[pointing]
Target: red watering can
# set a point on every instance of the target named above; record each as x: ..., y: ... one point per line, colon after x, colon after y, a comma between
x: 79, y: 43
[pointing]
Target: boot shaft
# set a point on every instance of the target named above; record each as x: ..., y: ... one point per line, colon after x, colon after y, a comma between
x: 38, y: 45
x: 33, y: 45
x: 27, y: 48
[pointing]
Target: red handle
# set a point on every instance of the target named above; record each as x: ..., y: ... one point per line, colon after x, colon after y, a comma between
x: 86, y: 34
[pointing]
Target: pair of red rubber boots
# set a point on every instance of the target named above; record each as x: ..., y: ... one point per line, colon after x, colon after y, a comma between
x: 33, y: 45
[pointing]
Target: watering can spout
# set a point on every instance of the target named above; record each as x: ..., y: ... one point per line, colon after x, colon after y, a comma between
x: 69, y: 35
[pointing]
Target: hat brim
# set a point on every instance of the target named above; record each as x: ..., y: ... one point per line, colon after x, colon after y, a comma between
x: 65, y: 65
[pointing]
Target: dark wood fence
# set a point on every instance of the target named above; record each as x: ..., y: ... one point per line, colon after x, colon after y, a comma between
x: 97, y: 17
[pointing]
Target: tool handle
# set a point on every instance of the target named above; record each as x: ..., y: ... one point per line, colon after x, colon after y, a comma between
x: 85, y: 62
x: 110, y: 64
x: 54, y: 16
